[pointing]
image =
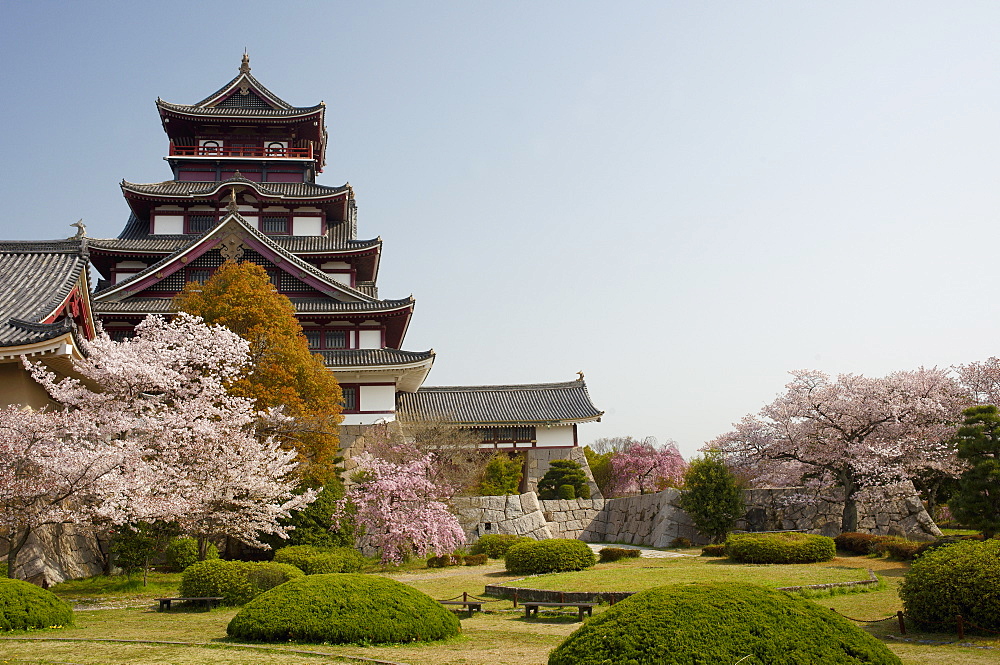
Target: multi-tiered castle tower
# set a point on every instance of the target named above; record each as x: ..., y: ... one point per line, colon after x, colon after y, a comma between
x: 244, y: 188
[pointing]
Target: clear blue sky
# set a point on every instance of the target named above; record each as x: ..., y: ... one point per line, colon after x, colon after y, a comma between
x: 683, y: 199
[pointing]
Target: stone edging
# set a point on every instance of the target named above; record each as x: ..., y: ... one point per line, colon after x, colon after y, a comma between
x: 546, y: 596
x: 872, y: 579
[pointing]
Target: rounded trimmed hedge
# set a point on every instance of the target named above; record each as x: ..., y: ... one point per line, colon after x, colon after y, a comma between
x: 343, y: 608
x: 549, y: 556
x: 496, y: 545
x: 314, y: 560
x: 182, y: 552
x: 237, y: 582
x: 719, y: 622
x: 24, y: 605
x: 961, y: 578
x: 780, y: 548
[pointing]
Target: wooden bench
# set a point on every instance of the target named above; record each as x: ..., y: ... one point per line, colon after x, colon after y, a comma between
x: 530, y: 606
x: 165, y: 602
x: 470, y: 605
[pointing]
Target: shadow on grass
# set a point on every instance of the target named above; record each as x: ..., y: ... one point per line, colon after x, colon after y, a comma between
x: 550, y: 617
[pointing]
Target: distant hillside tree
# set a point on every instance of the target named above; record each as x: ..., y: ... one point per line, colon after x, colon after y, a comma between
x: 283, y: 372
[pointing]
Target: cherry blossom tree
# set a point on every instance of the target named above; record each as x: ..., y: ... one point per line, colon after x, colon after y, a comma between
x: 643, y: 466
x: 156, y: 406
x: 981, y: 380
x: 855, y: 432
x: 400, y: 508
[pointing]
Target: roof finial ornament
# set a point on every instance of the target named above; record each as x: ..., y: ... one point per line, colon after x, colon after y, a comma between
x: 245, y: 65
x: 580, y: 374
x: 81, y: 230
x: 232, y: 207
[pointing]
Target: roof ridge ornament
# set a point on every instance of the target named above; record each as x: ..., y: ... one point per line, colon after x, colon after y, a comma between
x: 245, y: 65
x: 81, y: 229
x: 232, y: 207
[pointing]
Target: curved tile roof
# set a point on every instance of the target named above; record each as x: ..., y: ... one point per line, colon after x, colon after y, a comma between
x: 37, y: 278
x: 239, y: 112
x: 525, y: 404
x: 373, y: 357
x: 138, y: 241
x: 302, y: 306
x: 273, y: 190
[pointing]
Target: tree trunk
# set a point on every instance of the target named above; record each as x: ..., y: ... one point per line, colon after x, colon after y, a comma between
x: 202, y: 547
x: 14, y: 546
x: 849, y: 520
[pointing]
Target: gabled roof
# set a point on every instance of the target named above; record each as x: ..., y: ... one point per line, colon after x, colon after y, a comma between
x: 525, y: 404
x: 302, y: 306
x: 262, y: 243
x: 296, y: 191
x: 243, y: 96
x: 373, y: 357
x: 38, y: 277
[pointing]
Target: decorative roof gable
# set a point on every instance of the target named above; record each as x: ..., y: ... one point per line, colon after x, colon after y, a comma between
x: 233, y: 236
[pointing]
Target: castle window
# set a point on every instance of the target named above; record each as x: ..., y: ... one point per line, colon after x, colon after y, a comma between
x: 336, y: 339
x: 495, y: 435
x: 350, y: 398
x: 274, y: 224
x: 199, y: 275
x: 315, y: 338
x: 200, y: 223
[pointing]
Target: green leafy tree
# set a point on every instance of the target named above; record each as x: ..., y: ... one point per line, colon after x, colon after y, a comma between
x: 712, y: 496
x: 502, y: 475
x: 312, y: 523
x: 563, y: 472
x: 284, y: 373
x: 135, y: 546
x: 976, y: 502
x: 600, y: 468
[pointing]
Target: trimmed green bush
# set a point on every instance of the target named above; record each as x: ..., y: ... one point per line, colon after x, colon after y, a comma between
x: 563, y: 472
x: 297, y: 555
x: 24, y: 606
x: 855, y: 542
x: 475, y: 559
x: 681, y: 543
x: 714, y: 550
x: 900, y: 549
x: 444, y: 561
x: 495, y: 545
x: 314, y: 560
x: 182, y: 552
x: 236, y: 582
x: 780, y: 548
x: 549, y: 556
x: 608, y: 554
x: 567, y: 492
x: 961, y: 578
x: 705, y: 623
x: 343, y: 608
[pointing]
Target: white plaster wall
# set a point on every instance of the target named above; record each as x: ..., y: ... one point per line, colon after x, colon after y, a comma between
x: 554, y: 436
x: 369, y: 339
x: 336, y: 265
x: 340, y: 277
x: 367, y: 418
x: 253, y: 221
x: 307, y: 226
x: 122, y: 276
x: 168, y: 225
x: 377, y: 398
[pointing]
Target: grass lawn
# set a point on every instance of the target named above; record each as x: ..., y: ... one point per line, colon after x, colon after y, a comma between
x: 501, y: 635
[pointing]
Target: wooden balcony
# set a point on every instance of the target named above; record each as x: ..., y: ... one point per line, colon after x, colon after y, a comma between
x: 240, y: 151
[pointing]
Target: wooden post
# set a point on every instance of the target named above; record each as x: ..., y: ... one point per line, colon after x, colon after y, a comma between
x: 515, y: 599
x: 961, y: 626
x: 562, y: 597
x: 902, y: 624
x: 465, y: 596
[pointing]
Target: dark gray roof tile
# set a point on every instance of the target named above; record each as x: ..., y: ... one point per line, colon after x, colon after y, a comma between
x: 268, y: 190
x: 37, y: 278
x: 527, y: 404
x: 373, y: 357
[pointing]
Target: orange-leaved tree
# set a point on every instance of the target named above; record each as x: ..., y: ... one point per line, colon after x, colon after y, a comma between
x: 283, y: 373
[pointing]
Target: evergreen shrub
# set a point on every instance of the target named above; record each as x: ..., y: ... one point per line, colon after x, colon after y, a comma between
x: 236, y: 582
x: 182, y: 552
x: 314, y: 560
x: 862, y: 543
x: 900, y: 549
x: 475, y: 559
x: 343, y: 608
x: 681, y: 542
x: 549, y: 556
x: 780, y: 548
x: 495, y: 545
x: 708, y: 623
x: 563, y: 472
x: 961, y: 578
x: 714, y: 550
x: 297, y: 555
x: 567, y: 492
x: 24, y: 606
x: 608, y: 554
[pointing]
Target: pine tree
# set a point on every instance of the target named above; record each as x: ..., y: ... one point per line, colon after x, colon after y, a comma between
x: 563, y: 473
x: 976, y: 503
x: 284, y: 373
x: 712, y: 497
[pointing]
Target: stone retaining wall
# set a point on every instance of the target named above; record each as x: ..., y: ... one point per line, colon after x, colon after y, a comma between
x: 657, y: 519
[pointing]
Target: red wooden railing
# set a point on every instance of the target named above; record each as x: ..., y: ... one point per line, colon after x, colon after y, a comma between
x: 239, y: 151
